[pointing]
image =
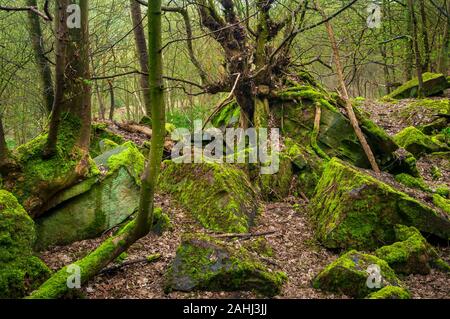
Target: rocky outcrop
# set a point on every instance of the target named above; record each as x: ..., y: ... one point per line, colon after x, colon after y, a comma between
x: 412, y: 254
x: 205, y: 263
x: 20, y: 270
x: 349, y: 275
x: 417, y: 143
x: 219, y: 196
x: 352, y: 209
x: 433, y: 84
x: 96, y: 205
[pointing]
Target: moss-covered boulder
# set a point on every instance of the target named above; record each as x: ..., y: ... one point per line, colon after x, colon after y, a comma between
x: 219, y: 196
x: 307, y: 167
x: 349, y: 275
x: 417, y: 143
x: 390, y: 292
x: 95, y: 205
x: 205, y: 263
x: 433, y: 84
x: 352, y: 209
x: 412, y: 254
x: 442, y: 203
x: 277, y: 186
x: 412, y: 182
x: 20, y: 271
x: 228, y: 116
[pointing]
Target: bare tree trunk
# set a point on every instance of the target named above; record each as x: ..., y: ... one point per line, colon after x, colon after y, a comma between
x: 4, y: 152
x: 112, y: 101
x: 344, y: 93
x: 93, y: 263
x: 444, y: 53
x: 37, y: 40
x: 409, y: 48
x: 141, y: 48
x: 416, y: 47
x: 425, y: 38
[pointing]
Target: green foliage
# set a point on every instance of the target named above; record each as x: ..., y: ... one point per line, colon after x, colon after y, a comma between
x: 185, y: 117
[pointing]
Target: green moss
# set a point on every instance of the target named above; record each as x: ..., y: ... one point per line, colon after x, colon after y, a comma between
x: 352, y: 209
x: 122, y: 257
x: 277, y: 186
x: 444, y: 191
x: 161, y: 221
x: 307, y: 92
x: 412, y: 182
x: 20, y: 271
x: 390, y: 292
x: 40, y: 178
x: 436, y: 172
x: 259, y: 246
x: 130, y: 158
x: 205, y: 263
x: 417, y: 143
x: 220, y: 196
x: 433, y: 84
x: 411, y: 255
x: 442, y: 203
x: 348, y: 275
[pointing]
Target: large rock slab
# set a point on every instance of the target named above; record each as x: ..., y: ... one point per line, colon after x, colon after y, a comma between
x: 88, y: 209
x: 349, y: 275
x: 219, y: 196
x: 433, y: 84
x: 20, y: 271
x: 205, y: 263
x: 352, y: 209
x: 336, y: 137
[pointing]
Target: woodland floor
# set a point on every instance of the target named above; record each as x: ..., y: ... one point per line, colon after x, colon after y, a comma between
x: 296, y: 252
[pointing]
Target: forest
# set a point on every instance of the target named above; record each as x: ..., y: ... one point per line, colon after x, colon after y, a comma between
x: 225, y: 149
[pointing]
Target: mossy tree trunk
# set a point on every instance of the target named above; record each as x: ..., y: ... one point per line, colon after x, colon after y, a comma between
x: 37, y: 40
x: 73, y: 88
x: 109, y: 250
